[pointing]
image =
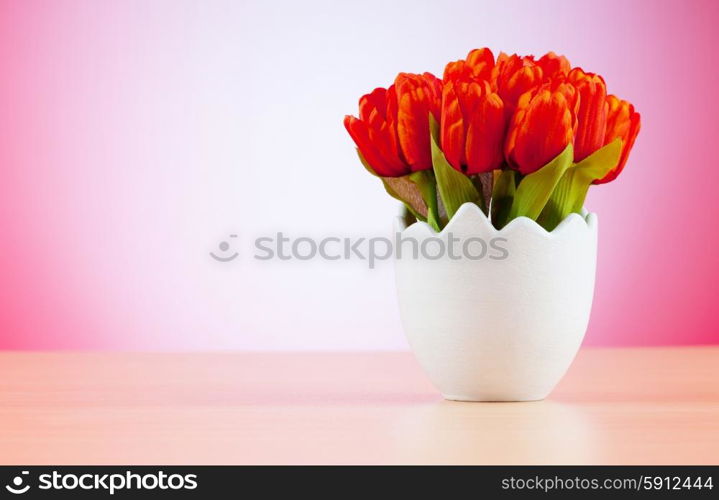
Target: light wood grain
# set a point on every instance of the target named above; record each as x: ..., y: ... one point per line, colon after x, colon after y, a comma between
x: 630, y: 406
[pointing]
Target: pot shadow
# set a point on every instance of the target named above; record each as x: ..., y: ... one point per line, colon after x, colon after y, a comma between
x: 450, y: 432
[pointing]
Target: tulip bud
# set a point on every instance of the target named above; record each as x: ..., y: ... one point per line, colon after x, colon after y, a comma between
x: 478, y: 65
x: 542, y: 126
x: 417, y: 97
x: 472, y: 126
x: 513, y: 76
x: 375, y: 135
x: 592, y: 113
x: 392, y: 131
x: 553, y: 66
x: 622, y: 122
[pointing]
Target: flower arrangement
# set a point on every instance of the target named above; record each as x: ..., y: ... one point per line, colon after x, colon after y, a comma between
x: 518, y: 136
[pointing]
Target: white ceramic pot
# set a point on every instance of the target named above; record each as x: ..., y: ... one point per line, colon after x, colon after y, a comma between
x: 500, y: 326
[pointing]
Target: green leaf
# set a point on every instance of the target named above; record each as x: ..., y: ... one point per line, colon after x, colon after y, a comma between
x: 560, y: 203
x: 402, y: 189
x: 571, y: 191
x: 502, y: 197
x: 535, y: 189
x: 598, y: 164
x: 454, y: 187
x: 406, y: 191
x: 427, y: 185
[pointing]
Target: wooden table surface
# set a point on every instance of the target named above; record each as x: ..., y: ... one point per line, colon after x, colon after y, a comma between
x: 628, y: 406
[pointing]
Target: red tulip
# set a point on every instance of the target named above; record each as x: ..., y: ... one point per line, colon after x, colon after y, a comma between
x: 513, y: 76
x: 417, y: 97
x: 519, y: 110
x: 472, y: 126
x: 592, y: 113
x: 479, y: 65
x: 375, y: 133
x: 392, y: 131
x: 622, y: 122
x: 543, y: 125
x: 553, y: 65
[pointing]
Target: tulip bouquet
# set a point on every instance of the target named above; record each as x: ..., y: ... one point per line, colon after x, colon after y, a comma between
x: 517, y: 136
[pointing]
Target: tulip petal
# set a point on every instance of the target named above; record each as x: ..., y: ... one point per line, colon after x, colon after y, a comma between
x: 481, y: 63
x: 485, y: 135
x: 514, y: 76
x: 452, y: 128
x: 375, y: 100
x: 379, y: 163
x: 541, y: 129
x: 591, y: 113
x: 552, y: 64
x: 410, y: 125
x: 622, y: 122
x: 417, y: 97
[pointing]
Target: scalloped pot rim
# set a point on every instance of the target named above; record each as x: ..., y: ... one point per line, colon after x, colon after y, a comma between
x: 469, y: 211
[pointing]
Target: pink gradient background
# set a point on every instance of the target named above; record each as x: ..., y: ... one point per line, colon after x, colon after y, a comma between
x: 134, y: 136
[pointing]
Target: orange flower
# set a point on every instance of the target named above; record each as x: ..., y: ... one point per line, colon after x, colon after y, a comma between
x: 553, y: 65
x: 514, y: 76
x: 472, y: 126
x: 515, y: 110
x: 592, y: 114
x: 392, y: 131
x: 417, y: 97
x: 479, y: 65
x: 542, y: 126
x: 622, y: 122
